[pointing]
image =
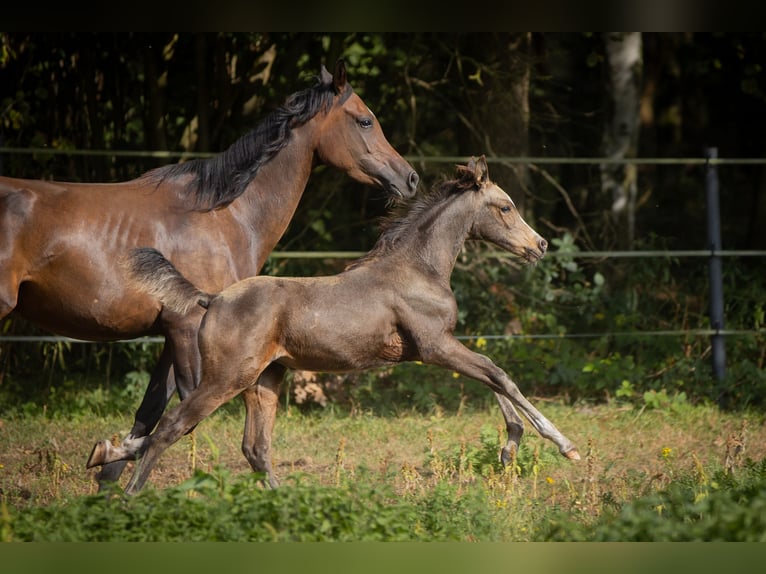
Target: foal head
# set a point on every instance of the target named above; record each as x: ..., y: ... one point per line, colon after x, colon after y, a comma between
x: 351, y: 139
x: 496, y: 218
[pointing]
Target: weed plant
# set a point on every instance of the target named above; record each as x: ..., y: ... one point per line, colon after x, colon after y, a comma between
x: 409, y: 477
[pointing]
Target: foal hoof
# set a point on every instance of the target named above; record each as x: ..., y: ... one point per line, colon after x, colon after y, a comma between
x: 97, y: 455
x: 507, y: 454
x: 572, y: 454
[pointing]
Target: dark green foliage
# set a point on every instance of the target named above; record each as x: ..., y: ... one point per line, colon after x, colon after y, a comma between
x: 215, y: 507
x: 435, y: 95
x: 726, y: 507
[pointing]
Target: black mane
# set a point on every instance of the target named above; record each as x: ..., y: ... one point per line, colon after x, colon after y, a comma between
x: 219, y: 180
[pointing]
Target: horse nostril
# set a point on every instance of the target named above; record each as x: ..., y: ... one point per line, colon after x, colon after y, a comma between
x: 413, y: 180
x: 543, y: 244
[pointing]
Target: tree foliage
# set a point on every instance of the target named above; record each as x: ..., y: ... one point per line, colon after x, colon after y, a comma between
x: 436, y: 95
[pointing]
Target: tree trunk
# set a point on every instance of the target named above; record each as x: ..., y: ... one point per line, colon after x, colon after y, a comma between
x: 155, y: 84
x: 497, y: 96
x: 624, y: 64
x: 201, y: 65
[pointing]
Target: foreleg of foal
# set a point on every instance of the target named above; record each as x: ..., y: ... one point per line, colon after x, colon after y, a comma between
x: 261, y: 409
x: 452, y: 355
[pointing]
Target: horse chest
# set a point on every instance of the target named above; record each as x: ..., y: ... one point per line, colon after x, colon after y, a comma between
x: 429, y: 309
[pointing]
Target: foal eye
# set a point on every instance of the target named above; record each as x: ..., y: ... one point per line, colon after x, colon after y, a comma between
x: 365, y: 123
x: 505, y: 209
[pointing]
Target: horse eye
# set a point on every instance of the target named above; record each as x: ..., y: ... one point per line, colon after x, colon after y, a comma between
x: 505, y: 209
x: 365, y: 123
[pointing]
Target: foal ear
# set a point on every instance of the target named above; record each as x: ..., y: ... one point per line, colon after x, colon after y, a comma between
x: 466, y: 174
x: 339, y: 76
x: 475, y: 173
x: 482, y: 171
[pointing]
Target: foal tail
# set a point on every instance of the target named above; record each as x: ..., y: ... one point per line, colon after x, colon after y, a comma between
x: 158, y: 277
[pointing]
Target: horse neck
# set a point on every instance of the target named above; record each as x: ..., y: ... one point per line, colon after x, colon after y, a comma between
x: 270, y: 200
x: 439, y: 235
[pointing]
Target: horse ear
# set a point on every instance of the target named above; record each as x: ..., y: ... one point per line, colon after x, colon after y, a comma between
x: 482, y: 171
x: 339, y: 76
x: 324, y: 76
x: 466, y: 174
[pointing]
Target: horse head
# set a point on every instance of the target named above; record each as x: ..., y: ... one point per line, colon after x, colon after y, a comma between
x: 497, y: 220
x: 351, y: 139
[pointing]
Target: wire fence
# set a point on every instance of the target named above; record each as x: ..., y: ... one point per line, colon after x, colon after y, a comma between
x: 682, y: 161
x: 665, y: 254
x: 540, y: 160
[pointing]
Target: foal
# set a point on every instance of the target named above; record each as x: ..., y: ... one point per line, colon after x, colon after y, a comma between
x: 394, y: 304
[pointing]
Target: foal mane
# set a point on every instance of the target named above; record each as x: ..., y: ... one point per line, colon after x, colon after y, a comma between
x: 407, y: 214
x: 219, y: 180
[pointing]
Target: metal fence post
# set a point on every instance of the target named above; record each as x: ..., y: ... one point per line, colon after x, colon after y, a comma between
x: 715, y: 264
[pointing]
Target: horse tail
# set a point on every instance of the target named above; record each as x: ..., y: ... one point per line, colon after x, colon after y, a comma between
x: 158, y: 277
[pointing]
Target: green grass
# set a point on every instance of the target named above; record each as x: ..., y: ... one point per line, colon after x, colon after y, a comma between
x: 403, y: 476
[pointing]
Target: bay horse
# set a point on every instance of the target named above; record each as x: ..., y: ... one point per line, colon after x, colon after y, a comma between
x: 217, y: 219
x: 394, y: 304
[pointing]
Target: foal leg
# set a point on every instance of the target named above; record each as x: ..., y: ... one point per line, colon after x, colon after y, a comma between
x: 177, y: 370
x: 514, y: 427
x: 261, y: 408
x: 179, y: 421
x: 453, y: 355
x: 161, y: 387
x: 181, y: 333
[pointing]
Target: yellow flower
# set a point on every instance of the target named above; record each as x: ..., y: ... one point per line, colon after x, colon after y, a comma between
x: 481, y: 343
x: 549, y: 480
x: 666, y: 452
x: 455, y: 375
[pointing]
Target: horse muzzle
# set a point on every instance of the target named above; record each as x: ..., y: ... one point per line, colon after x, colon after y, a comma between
x: 399, y: 180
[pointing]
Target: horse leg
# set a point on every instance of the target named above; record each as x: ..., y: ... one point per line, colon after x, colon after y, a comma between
x: 9, y: 290
x: 261, y: 408
x: 172, y: 426
x: 182, y: 333
x: 177, y: 370
x: 179, y: 421
x: 514, y: 427
x: 453, y: 355
x: 156, y: 397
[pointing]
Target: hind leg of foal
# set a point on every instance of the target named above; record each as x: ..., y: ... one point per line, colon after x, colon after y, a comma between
x: 177, y: 370
x: 179, y: 421
x: 453, y: 355
x: 261, y: 409
x: 156, y: 397
x: 514, y: 427
x: 181, y: 332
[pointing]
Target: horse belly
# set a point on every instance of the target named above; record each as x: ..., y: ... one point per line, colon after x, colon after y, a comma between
x: 75, y: 311
x: 340, y: 350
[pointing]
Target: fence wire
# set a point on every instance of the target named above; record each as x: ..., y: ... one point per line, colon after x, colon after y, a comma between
x: 540, y: 160
x: 492, y: 336
x: 702, y: 161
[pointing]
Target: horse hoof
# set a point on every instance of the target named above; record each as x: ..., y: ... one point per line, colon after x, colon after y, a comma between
x: 97, y: 455
x: 572, y: 454
x: 507, y: 454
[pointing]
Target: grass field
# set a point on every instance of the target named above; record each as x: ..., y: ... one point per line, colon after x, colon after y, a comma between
x: 627, y: 453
